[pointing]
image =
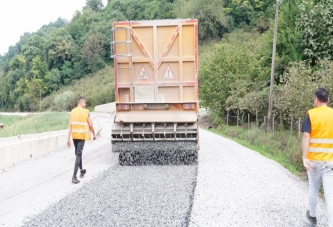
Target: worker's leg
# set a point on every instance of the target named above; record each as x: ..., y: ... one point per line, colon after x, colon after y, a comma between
x: 75, y: 144
x: 78, y: 144
x: 80, y: 150
x: 77, y: 163
x: 80, y: 166
x: 328, y: 191
x: 314, y: 177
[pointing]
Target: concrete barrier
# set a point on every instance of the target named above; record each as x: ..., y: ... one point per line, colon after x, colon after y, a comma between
x: 16, y: 114
x: 26, y: 147
x: 19, y: 148
x: 106, y: 108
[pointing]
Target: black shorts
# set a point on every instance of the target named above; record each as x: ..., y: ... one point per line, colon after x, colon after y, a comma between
x: 78, y: 144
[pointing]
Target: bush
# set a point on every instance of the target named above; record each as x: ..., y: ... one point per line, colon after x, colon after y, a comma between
x: 295, y: 96
x: 97, y: 88
x: 64, y: 101
x: 235, y: 74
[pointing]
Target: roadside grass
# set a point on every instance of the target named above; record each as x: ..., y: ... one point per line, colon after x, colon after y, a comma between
x: 282, y: 146
x: 33, y: 123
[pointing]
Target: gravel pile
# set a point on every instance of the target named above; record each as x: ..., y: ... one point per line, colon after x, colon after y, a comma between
x: 157, y: 153
x: 238, y: 187
x: 127, y: 196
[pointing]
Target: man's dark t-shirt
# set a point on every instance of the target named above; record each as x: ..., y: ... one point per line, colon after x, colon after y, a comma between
x: 306, y: 127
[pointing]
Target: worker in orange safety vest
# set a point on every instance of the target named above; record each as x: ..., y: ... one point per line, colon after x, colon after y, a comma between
x: 317, y: 153
x: 80, y: 128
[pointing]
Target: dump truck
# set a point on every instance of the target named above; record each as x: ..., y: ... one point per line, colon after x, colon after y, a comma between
x: 156, y: 91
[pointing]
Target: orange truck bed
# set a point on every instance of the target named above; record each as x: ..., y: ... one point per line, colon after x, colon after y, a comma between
x: 156, y: 71
x: 156, y: 80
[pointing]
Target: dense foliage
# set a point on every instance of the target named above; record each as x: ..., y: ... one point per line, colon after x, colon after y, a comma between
x: 316, y: 22
x: 296, y: 95
x: 234, y: 76
x: 248, y: 14
x: 60, y: 52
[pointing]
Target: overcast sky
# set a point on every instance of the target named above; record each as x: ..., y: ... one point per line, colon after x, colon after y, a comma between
x: 19, y: 16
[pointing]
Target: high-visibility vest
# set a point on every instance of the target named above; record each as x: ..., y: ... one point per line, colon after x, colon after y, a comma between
x: 321, y: 135
x: 79, y: 122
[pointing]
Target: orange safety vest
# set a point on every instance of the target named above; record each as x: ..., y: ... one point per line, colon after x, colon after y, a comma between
x: 79, y: 122
x: 321, y: 136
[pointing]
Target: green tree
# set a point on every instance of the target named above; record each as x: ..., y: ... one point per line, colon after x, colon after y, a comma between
x: 21, y: 86
x: 39, y: 68
x: 211, y: 16
x: 45, y: 29
x: 67, y: 73
x: 236, y: 67
x: 250, y: 13
x: 13, y: 76
x: 81, y: 24
x: 241, y: 11
x: 52, y: 80
x: 35, y: 46
x: 92, y: 51
x: 301, y: 77
x: 289, y: 46
x: 60, y: 47
x: 64, y: 101
x: 17, y: 62
x: 95, y: 5
x: 317, y: 29
x: 35, y: 93
x: 24, y: 103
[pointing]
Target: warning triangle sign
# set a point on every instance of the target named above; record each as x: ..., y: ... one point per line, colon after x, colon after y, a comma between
x: 168, y: 74
x: 143, y: 74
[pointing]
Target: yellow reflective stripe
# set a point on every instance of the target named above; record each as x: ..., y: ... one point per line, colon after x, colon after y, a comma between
x: 326, y: 150
x: 326, y: 141
x: 320, y: 156
x: 84, y: 131
x: 79, y: 123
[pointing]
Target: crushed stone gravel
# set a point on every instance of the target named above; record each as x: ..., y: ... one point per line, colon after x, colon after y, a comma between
x: 237, y: 186
x: 232, y: 186
x: 126, y: 196
x: 157, y: 153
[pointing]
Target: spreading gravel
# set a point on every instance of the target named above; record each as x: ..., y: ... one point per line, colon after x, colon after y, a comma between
x: 239, y: 187
x: 232, y: 186
x: 157, y: 153
x: 127, y: 196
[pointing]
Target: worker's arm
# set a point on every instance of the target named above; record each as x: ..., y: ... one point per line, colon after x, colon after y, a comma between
x: 69, y: 135
x: 91, y: 128
x: 305, y: 148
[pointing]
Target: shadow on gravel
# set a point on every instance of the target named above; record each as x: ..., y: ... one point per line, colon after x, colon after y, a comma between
x: 127, y: 196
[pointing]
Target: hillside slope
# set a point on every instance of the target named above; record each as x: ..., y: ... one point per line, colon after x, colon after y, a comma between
x: 98, y: 88
x: 63, y: 51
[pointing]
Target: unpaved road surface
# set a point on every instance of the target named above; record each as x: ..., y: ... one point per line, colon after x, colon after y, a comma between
x: 237, y: 186
x: 231, y: 186
x: 32, y: 186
